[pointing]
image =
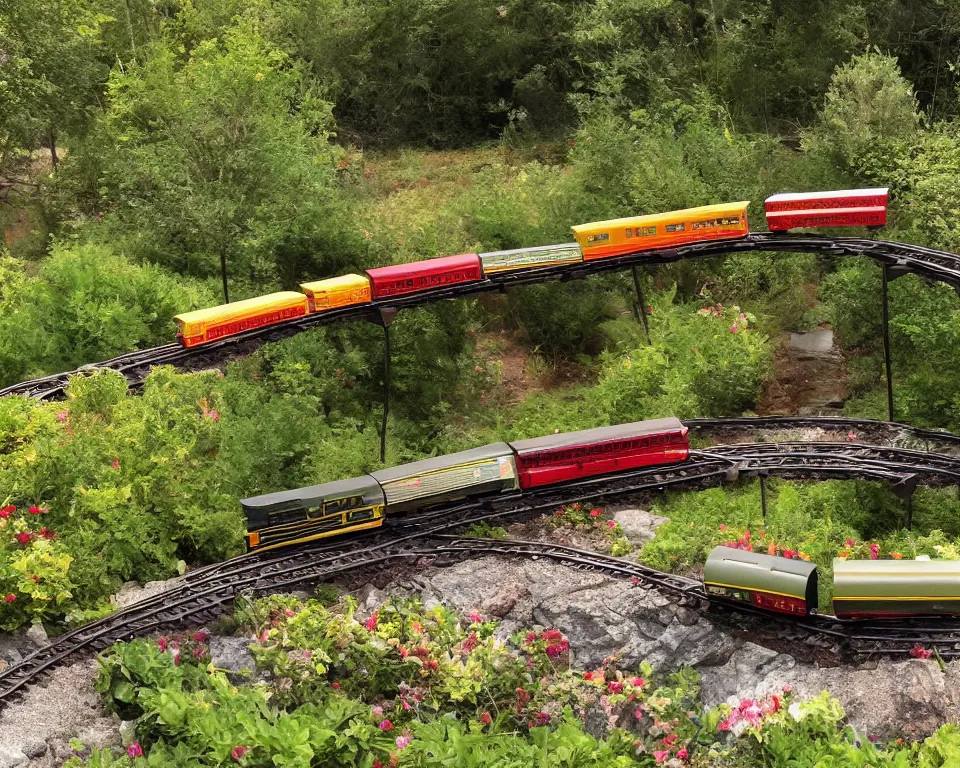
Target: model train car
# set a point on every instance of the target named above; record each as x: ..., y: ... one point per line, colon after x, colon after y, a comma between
x: 289, y: 517
x: 600, y: 240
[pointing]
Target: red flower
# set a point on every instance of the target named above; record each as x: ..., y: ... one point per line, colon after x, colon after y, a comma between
x: 10, y: 598
x: 611, y: 524
x: 485, y: 718
x: 523, y: 698
x: 919, y: 652
x: 637, y: 682
x: 371, y: 623
x: 649, y: 310
x: 386, y: 725
x: 596, y: 512
x: 201, y: 636
x: 5, y: 512
x: 162, y: 644
x: 48, y: 534
x: 683, y: 754
x: 237, y: 753
x: 134, y: 750
x: 615, y: 686
x: 115, y: 464
x: 25, y: 537
x: 35, y: 510
x: 377, y: 764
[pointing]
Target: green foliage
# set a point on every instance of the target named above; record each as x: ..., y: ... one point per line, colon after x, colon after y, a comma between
x: 86, y: 304
x: 223, y: 153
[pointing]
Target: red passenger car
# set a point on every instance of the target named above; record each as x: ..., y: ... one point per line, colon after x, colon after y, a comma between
x: 842, y: 208
x: 424, y: 275
x: 559, y: 458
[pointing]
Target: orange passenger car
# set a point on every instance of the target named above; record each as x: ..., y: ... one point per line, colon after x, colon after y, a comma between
x: 337, y: 292
x: 617, y: 237
x: 206, y: 325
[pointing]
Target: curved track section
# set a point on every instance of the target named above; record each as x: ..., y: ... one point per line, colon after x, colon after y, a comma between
x: 901, y: 258
x: 207, y: 592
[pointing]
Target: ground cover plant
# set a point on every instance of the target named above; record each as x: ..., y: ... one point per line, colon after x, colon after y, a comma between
x: 810, y: 521
x: 413, y: 687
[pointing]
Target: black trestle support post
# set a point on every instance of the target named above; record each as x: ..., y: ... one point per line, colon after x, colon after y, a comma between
x: 223, y: 275
x: 641, y: 305
x: 763, y: 496
x: 384, y: 318
x: 886, y: 342
x: 903, y: 489
x: 910, y: 513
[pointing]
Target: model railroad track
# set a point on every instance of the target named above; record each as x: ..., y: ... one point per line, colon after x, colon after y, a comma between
x: 205, y: 593
x: 135, y: 366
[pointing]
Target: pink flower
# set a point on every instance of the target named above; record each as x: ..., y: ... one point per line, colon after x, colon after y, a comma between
x: 919, y: 652
x: 851, y: 435
x: 10, y: 598
x: 723, y: 527
x: 614, y: 686
x: 787, y: 688
x: 386, y: 725
x: 63, y: 415
x: 403, y: 741
x: 201, y: 636
x: 199, y: 652
x: 5, y: 512
x: 485, y: 718
x: 371, y: 623
x: 24, y: 538
x: 596, y: 512
x: 134, y: 750
x: 238, y: 752
x: 849, y: 543
x: 661, y: 755
x: 115, y: 464
x: 35, y: 510
x: 335, y: 685
x: 637, y: 682
x: 213, y: 415
x: 733, y: 329
x: 874, y: 551
x: 475, y: 617
x: 611, y: 524
x: 377, y: 711
x: 683, y: 754
x: 162, y: 644
x: 542, y: 718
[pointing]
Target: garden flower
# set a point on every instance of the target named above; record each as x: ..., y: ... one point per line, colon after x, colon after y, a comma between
x: 386, y: 725
x: 48, y: 534
x: 403, y: 741
x: 417, y: 627
x: 63, y: 415
x: 874, y: 551
x: 787, y: 688
x: 919, y: 652
x: 377, y: 764
x: 896, y: 556
x: 542, y: 718
x: 733, y: 329
x: 475, y: 617
x: 199, y: 652
x: 843, y: 554
x: 238, y: 752
x: 615, y: 686
x: 335, y: 685
x: 851, y: 435
x: 35, y: 510
x: 596, y: 512
x: 7, y: 510
x: 24, y: 538
x: 683, y: 754
x: 162, y: 644
x: 804, y: 557
x: 371, y: 623
x: 485, y: 718
x: 661, y: 755
x: 10, y: 598
x: 201, y: 636
x: 849, y: 543
x: 377, y: 711
x: 772, y: 549
x: 134, y: 750
x: 213, y: 415
x: 637, y: 682
x: 115, y: 464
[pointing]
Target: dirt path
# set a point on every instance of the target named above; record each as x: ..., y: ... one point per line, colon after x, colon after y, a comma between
x: 808, y: 376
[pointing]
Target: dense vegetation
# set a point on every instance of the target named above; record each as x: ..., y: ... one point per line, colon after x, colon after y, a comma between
x: 409, y: 687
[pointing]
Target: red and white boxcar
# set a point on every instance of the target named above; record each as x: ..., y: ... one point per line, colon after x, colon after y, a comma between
x: 841, y: 208
x: 424, y: 275
x: 558, y: 458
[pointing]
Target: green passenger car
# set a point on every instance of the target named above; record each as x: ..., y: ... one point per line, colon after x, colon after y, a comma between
x: 884, y: 588
x: 773, y: 583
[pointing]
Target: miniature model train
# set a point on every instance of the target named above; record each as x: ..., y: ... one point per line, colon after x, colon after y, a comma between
x: 863, y: 589
x: 600, y: 240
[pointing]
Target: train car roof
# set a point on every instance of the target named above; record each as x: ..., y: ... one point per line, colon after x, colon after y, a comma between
x: 881, y: 568
x: 731, y: 567
x: 599, y: 435
x: 657, y: 218
x: 315, y: 495
x: 424, y: 266
x: 867, y: 192
x: 342, y: 281
x: 440, y: 463
x: 238, y: 308
x: 534, y: 249
x: 895, y: 579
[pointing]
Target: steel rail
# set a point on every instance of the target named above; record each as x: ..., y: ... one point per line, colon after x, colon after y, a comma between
x: 205, y: 592
x: 135, y: 366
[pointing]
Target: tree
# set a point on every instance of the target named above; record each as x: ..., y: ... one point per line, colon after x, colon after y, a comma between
x: 221, y: 155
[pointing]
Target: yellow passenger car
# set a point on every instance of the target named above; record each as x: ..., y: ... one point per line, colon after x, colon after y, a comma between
x: 337, y: 292
x: 616, y: 237
x: 205, y: 325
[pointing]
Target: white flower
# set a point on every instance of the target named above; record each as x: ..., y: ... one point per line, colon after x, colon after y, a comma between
x: 795, y: 711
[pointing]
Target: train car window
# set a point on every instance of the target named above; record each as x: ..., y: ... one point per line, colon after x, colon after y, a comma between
x: 600, y: 238
x: 360, y: 515
x: 629, y: 231
x: 708, y: 224
x: 730, y: 221
x: 646, y: 231
x: 280, y: 516
x: 681, y: 227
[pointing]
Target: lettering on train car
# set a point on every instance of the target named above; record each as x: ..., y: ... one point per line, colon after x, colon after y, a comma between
x: 680, y: 227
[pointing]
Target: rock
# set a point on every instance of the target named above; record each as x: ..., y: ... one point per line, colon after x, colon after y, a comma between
x: 11, y: 757
x: 128, y: 732
x: 132, y: 592
x: 233, y: 655
x: 38, y: 635
x: 812, y: 345
x: 368, y: 598
x: 638, y: 525
x: 35, y: 749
